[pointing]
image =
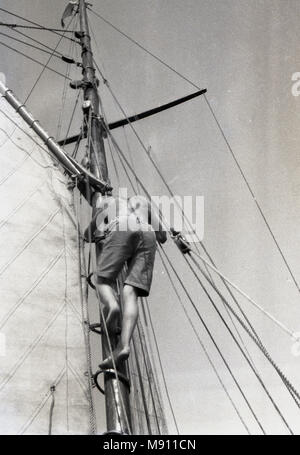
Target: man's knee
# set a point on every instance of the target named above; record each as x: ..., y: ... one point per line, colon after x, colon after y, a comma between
x: 107, y: 292
x: 130, y: 291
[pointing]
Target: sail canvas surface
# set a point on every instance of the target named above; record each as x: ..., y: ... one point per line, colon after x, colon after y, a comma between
x: 43, y: 386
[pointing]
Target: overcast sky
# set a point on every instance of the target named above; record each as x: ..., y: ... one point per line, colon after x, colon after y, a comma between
x: 244, y: 52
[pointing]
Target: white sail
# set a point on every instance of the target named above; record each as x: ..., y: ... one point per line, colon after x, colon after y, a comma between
x: 42, y: 338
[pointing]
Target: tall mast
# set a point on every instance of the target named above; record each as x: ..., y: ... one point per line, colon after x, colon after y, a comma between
x: 116, y: 395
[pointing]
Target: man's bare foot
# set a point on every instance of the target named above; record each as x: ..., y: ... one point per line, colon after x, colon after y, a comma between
x: 119, y: 354
x: 112, y: 318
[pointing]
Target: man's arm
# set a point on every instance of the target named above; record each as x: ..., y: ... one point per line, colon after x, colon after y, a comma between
x: 90, y: 230
x: 160, y: 232
x: 96, y: 221
x: 161, y: 236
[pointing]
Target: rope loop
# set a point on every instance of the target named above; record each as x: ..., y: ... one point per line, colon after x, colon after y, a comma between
x: 96, y: 328
x: 112, y: 374
x: 89, y: 281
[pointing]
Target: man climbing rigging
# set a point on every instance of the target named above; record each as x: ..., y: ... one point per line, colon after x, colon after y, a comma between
x: 127, y: 230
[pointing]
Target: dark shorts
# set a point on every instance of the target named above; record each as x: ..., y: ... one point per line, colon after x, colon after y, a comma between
x: 137, y: 249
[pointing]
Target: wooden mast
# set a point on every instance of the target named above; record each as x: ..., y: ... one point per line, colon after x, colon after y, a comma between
x: 116, y: 396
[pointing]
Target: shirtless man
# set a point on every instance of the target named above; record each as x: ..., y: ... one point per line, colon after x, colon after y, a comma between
x: 130, y: 229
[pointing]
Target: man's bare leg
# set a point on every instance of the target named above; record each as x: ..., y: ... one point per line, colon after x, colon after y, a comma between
x: 109, y: 299
x: 130, y: 316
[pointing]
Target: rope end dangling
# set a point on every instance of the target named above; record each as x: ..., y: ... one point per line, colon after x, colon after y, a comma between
x: 180, y: 241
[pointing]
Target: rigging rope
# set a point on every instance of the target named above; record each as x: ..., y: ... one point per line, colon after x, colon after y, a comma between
x: 162, y: 369
x: 105, y: 81
x: 38, y: 42
x: 85, y: 321
x: 152, y: 327
x: 126, y: 172
x: 149, y: 379
x: 130, y: 156
x: 147, y: 414
x: 14, y: 26
x: 258, y: 342
x: 33, y: 60
x: 253, y: 195
x: 193, y: 329
x: 66, y: 86
x: 171, y: 193
x: 141, y: 47
x: 164, y: 379
x: 55, y: 54
x: 241, y: 350
x: 274, y: 238
x: 266, y: 313
x: 84, y: 309
x: 256, y: 305
x: 274, y: 404
x: 79, y: 201
x: 71, y: 119
x: 119, y: 151
x: 97, y: 46
x: 223, y: 135
x: 48, y: 61
x: 77, y: 145
x: 169, y: 189
x: 213, y: 340
x: 230, y: 293
x: 204, y: 348
x: 112, y: 358
x: 91, y: 143
x: 147, y: 151
x: 64, y: 96
x: 93, y: 259
x: 147, y: 372
x: 281, y: 375
x: 233, y: 322
x: 38, y: 25
x: 113, y: 161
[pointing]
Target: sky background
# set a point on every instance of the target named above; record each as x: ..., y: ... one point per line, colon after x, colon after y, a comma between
x: 244, y: 53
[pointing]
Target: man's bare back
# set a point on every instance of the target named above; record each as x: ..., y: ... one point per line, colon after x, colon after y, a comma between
x: 111, y: 209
